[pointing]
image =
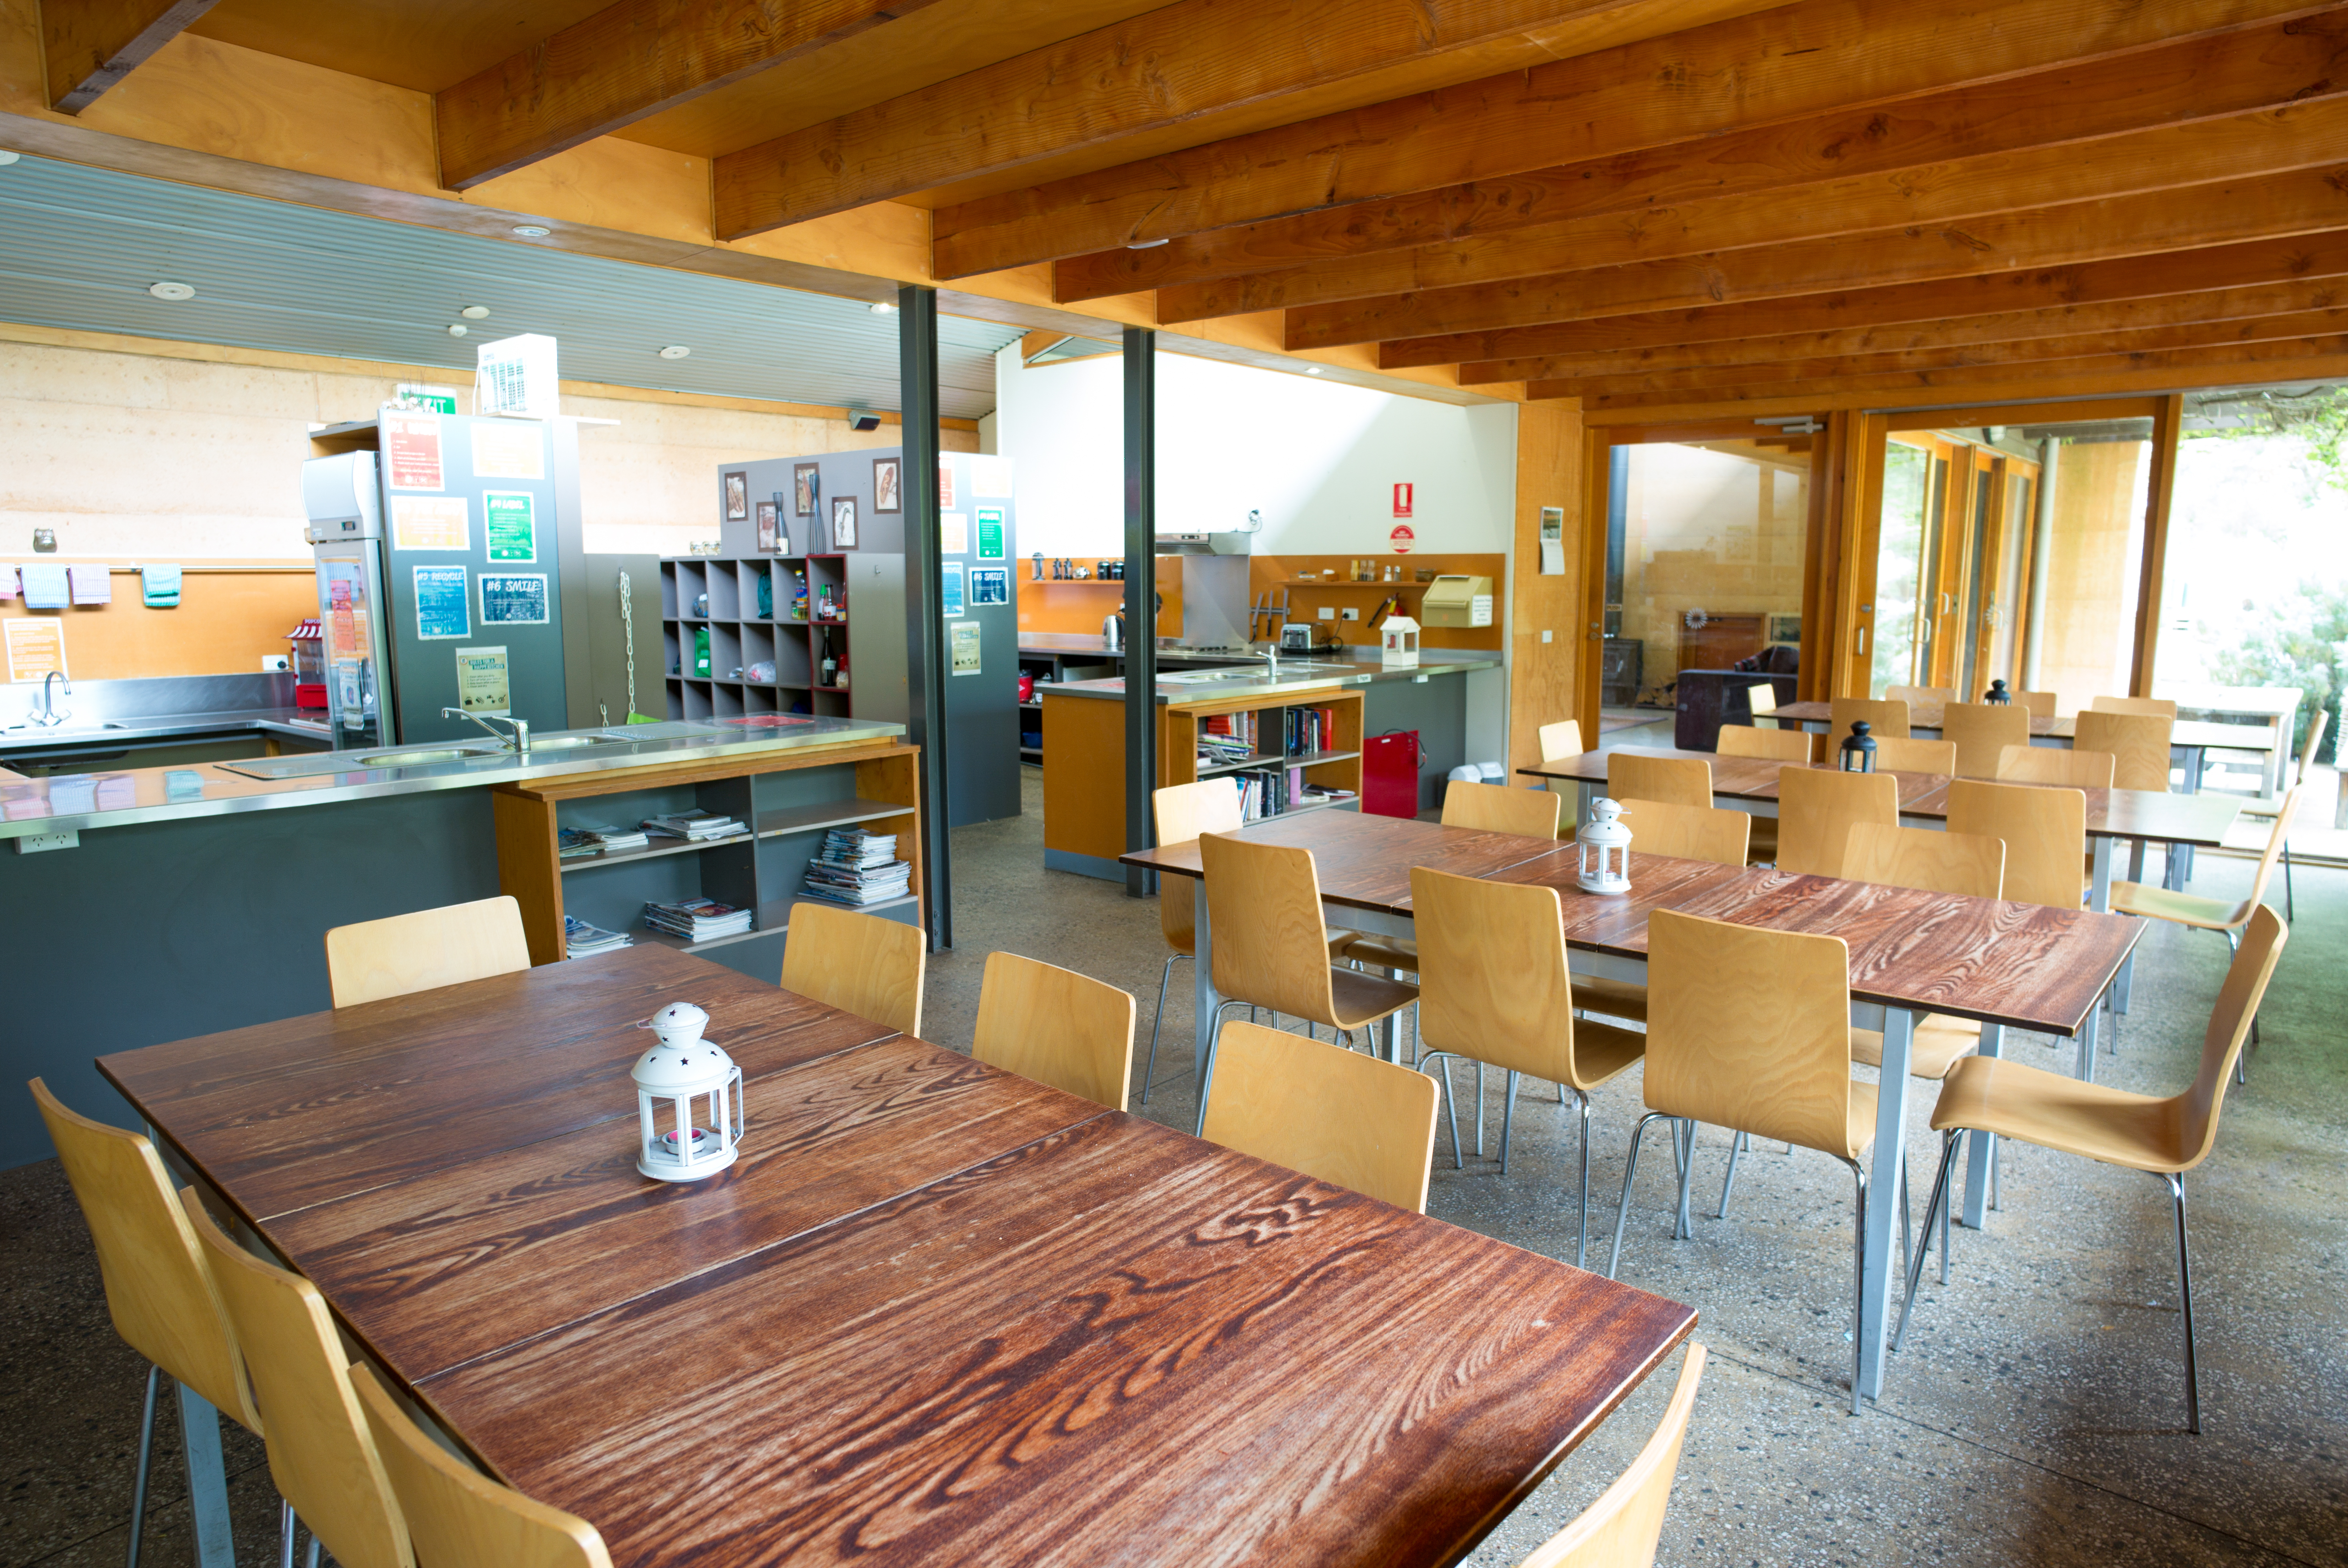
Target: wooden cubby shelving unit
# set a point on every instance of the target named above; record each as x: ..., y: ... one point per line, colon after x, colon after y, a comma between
x: 741, y: 637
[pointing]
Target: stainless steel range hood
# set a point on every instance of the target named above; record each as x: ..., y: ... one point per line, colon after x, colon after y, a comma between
x: 1227, y: 544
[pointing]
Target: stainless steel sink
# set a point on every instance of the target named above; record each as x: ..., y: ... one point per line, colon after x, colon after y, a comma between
x: 418, y: 758
x: 572, y: 742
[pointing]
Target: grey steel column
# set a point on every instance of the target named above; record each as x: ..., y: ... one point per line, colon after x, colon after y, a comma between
x: 1140, y: 597
x: 925, y: 654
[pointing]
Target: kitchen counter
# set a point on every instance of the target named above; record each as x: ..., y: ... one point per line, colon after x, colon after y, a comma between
x: 1296, y: 674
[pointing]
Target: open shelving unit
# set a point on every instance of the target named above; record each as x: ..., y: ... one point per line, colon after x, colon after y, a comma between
x: 763, y: 608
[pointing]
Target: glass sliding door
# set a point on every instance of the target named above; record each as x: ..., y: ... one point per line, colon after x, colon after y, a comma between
x: 1953, y: 555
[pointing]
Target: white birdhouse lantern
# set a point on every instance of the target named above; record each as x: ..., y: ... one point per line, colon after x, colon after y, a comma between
x: 1399, y: 647
x: 1605, y: 845
x: 680, y: 1069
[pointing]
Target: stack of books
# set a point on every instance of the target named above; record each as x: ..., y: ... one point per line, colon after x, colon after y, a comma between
x: 582, y: 939
x: 694, y: 827
x: 857, y: 868
x: 697, y: 919
x: 588, y: 839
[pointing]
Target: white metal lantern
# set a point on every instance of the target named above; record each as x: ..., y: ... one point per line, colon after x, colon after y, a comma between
x: 679, y: 1070
x: 1605, y: 846
x: 1398, y: 642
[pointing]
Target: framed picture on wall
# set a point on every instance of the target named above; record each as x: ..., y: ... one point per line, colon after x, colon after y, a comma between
x: 1785, y: 627
x: 887, y: 496
x: 766, y: 527
x: 843, y: 522
x: 807, y: 488
x: 736, y: 488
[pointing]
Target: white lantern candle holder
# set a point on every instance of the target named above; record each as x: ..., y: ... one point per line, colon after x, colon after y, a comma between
x: 1605, y: 849
x: 1398, y: 642
x: 680, y: 1068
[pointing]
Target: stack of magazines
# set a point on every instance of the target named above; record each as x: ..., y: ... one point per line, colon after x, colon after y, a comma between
x: 573, y: 842
x: 583, y: 939
x: 858, y: 867
x: 697, y: 919
x: 694, y: 826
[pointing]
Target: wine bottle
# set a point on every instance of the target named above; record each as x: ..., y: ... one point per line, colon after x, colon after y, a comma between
x: 830, y: 665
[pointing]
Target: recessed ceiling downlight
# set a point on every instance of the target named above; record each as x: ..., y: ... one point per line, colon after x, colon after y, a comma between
x: 532, y: 230
x: 457, y: 329
x: 883, y: 308
x: 474, y: 313
x: 8, y: 158
x: 172, y: 290
x: 675, y: 351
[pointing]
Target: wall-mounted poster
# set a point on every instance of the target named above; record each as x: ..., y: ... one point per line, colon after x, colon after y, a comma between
x: 735, y: 488
x: 843, y: 522
x: 962, y: 644
x: 509, y: 451
x: 945, y: 482
x: 36, y: 645
x: 481, y: 683
x: 807, y: 488
x: 950, y: 597
x: 990, y: 475
x: 510, y: 526
x: 442, y: 607
x: 990, y: 585
x: 411, y: 451
x: 953, y: 534
x: 766, y: 528
x: 431, y: 523
x: 513, y: 598
x: 888, y: 491
x: 991, y: 543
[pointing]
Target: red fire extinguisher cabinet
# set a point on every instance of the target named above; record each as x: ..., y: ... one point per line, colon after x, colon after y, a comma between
x: 1390, y: 774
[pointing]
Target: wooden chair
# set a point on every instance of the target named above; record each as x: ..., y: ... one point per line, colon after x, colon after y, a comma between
x: 863, y: 964
x: 1682, y: 781
x: 159, y: 1290
x: 2072, y: 769
x: 1495, y: 808
x: 2046, y: 835
x: 2165, y: 1137
x: 1348, y: 1120
x: 1688, y: 832
x: 1886, y: 718
x: 425, y: 950
x: 455, y: 1514
x: 1981, y: 733
x: 1958, y: 863
x: 1749, y: 1029
x: 2039, y: 704
x: 1056, y: 1027
x: 1818, y: 807
x: 1495, y: 990
x: 2211, y: 914
x: 1895, y: 756
x: 1920, y: 696
x: 1562, y: 739
x: 1777, y: 745
x: 2265, y: 807
x: 2138, y: 743
x: 2163, y: 706
x: 1761, y: 701
x: 1263, y: 912
x: 321, y: 1454
x: 1624, y: 1527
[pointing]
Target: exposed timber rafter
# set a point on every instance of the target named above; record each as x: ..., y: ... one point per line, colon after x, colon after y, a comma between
x: 88, y: 45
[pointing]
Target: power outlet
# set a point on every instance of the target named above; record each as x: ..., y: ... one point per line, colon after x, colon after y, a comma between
x: 1328, y: 613
x: 1351, y: 613
x: 34, y: 843
x: 275, y: 665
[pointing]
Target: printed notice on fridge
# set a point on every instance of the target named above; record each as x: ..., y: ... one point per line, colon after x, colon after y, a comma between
x: 503, y: 451
x: 990, y: 585
x: 962, y: 641
x: 431, y: 523
x: 441, y: 603
x: 411, y: 451
x: 953, y: 534
x: 949, y: 588
x: 991, y: 545
x: 481, y: 685
x: 36, y: 645
x: 509, y: 527
x: 990, y: 475
x: 513, y: 598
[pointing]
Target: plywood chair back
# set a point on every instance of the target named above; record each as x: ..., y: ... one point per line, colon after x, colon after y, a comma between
x: 1761, y: 701
x: 1492, y: 978
x: 1562, y: 739
x: 1818, y: 807
x: 455, y: 1513
x: 1494, y: 808
x: 158, y: 1288
x: 1883, y: 718
x: 2040, y: 704
x: 1893, y: 754
x: 2229, y: 1032
x: 1682, y: 780
x: 2276, y: 840
x: 1777, y: 745
x: 1183, y: 812
x: 1749, y: 1029
x: 321, y: 1454
x: 1689, y: 831
x: 425, y: 951
x: 1338, y: 1116
x: 1624, y: 1526
x: 1930, y: 862
x: 2046, y: 835
x: 2072, y: 769
x: 1920, y: 696
x: 1981, y: 733
x: 1056, y: 1027
x: 1272, y: 949
x: 860, y: 964
x: 2314, y: 738
x: 2163, y: 706
x: 2138, y: 743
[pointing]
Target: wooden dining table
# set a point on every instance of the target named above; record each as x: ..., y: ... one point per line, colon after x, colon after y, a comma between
x: 935, y: 1313
x: 2009, y: 965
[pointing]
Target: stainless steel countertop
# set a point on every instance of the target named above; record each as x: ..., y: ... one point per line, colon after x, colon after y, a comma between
x: 1297, y: 674
x: 295, y: 723
x: 82, y: 801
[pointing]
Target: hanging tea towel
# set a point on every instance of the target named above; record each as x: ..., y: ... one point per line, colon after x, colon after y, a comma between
x: 160, y: 585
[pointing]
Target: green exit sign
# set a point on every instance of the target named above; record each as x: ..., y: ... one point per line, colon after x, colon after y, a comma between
x: 428, y: 399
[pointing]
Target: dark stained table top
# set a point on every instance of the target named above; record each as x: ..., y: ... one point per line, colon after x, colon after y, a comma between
x: 1364, y: 860
x: 2183, y: 733
x: 2202, y: 820
x: 936, y: 1312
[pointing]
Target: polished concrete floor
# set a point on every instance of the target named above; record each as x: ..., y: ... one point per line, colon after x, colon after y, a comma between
x: 2035, y: 1415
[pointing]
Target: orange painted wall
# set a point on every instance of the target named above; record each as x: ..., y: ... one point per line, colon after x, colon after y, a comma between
x: 226, y: 623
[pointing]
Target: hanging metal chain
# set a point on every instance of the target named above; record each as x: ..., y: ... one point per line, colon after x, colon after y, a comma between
x: 628, y: 633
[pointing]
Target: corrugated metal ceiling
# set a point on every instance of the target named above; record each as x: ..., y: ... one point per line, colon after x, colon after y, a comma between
x: 78, y: 248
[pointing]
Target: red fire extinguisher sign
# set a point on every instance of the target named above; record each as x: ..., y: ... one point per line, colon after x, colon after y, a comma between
x: 1402, y: 500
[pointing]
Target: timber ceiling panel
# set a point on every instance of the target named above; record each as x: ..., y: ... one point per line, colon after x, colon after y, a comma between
x: 78, y: 248
x: 423, y: 46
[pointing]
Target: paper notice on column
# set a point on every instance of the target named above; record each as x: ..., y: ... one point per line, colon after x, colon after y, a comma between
x: 431, y: 523
x: 515, y: 451
x: 411, y: 451
x: 36, y: 645
x: 481, y: 682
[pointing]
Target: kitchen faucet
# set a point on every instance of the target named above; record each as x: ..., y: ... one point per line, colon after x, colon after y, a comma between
x: 48, y: 714
x: 518, y: 742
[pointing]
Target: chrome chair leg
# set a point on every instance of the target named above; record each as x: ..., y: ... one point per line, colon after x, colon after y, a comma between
x: 315, y: 1545
x: 1683, y: 1229
x: 287, y: 1529
x: 1450, y: 1101
x: 1479, y: 1109
x: 1949, y: 1142
x: 1630, y: 1173
x: 1165, y: 979
x: 1858, y: 1280
x: 1207, y: 1079
x: 2185, y: 1293
x: 1508, y: 1119
x: 1728, y: 1185
x: 2290, y: 898
x: 145, y: 1461
x: 1582, y: 1246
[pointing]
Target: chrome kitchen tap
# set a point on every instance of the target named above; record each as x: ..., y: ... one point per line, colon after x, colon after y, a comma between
x: 48, y: 716
x: 518, y: 742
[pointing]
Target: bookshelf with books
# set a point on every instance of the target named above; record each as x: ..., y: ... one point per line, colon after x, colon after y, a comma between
x: 622, y: 854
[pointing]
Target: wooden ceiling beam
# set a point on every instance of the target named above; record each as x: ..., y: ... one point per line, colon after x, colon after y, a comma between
x: 1869, y: 369
x: 2267, y: 207
x: 1960, y: 336
x: 1148, y: 73
x: 622, y: 64
x: 2273, y: 141
x: 1792, y: 62
x: 2206, y: 77
x: 2143, y: 278
x: 87, y: 45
